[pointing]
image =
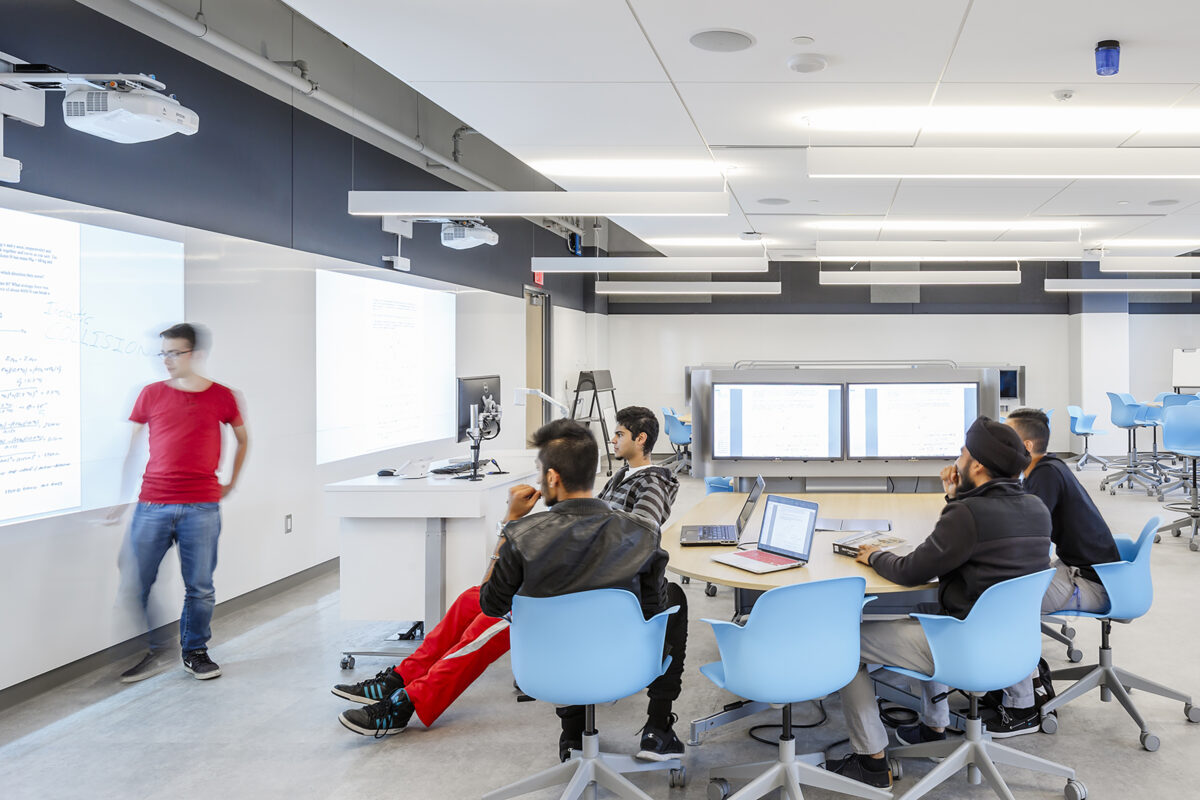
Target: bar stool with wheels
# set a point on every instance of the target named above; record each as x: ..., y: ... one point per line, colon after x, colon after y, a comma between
x: 1085, y: 425
x: 1185, y: 435
x: 1130, y: 416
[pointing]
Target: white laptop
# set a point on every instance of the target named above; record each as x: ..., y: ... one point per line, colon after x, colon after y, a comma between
x: 784, y: 540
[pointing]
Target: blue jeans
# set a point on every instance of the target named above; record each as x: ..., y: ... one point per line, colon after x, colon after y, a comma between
x: 196, y: 528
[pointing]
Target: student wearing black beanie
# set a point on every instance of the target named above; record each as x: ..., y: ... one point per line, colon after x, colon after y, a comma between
x: 989, y: 531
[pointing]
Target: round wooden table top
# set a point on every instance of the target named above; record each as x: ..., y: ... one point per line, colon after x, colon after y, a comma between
x: 912, y: 517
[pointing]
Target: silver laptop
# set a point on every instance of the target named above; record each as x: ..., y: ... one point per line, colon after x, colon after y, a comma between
x: 691, y: 535
x: 784, y: 540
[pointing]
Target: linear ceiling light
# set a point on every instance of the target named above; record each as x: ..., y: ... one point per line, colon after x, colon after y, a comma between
x: 1061, y: 163
x: 629, y: 167
x: 947, y: 251
x: 1123, y: 286
x: 540, y: 204
x: 984, y: 225
x: 1149, y: 264
x: 650, y: 264
x: 910, y: 278
x: 702, y: 241
x: 688, y: 287
x: 1188, y: 244
x: 1043, y: 120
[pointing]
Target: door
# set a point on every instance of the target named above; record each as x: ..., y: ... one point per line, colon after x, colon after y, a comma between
x: 537, y: 357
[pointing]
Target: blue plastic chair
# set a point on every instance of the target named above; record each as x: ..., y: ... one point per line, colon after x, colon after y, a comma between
x: 801, y: 642
x: 998, y: 644
x: 680, y: 436
x: 1129, y: 414
x: 1085, y: 425
x: 718, y: 485
x: 582, y: 649
x: 1130, y: 593
x: 1181, y: 435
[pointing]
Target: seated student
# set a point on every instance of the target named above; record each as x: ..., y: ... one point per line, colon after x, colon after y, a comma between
x: 989, y: 531
x: 580, y: 544
x: 466, y: 641
x: 1081, y: 538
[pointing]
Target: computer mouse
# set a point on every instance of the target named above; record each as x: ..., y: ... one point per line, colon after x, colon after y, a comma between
x: 386, y: 473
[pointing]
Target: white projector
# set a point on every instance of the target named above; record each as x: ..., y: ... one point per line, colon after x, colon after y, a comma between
x: 465, y: 235
x: 137, y: 115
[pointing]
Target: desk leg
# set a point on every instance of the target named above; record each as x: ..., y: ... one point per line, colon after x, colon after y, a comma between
x: 728, y: 714
x: 435, y: 571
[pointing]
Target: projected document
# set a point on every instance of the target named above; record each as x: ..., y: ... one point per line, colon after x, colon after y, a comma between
x: 80, y: 311
x: 385, y: 365
x: 777, y: 421
x: 910, y: 420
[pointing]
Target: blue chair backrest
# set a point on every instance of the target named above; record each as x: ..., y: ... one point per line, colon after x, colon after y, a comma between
x: 999, y: 642
x: 718, y: 484
x: 667, y: 410
x: 1124, y: 414
x: 677, y: 432
x: 1081, y: 424
x: 1181, y: 429
x: 1178, y: 400
x: 1128, y: 582
x: 1158, y: 398
x: 586, y: 647
x: 800, y: 642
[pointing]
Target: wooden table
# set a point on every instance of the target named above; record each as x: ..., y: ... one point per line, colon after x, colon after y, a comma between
x: 912, y: 517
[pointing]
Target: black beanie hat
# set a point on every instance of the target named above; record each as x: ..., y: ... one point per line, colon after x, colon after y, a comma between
x: 998, y: 447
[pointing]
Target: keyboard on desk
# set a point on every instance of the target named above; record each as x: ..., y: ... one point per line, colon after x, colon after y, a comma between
x: 454, y: 469
x: 712, y: 533
x: 766, y: 558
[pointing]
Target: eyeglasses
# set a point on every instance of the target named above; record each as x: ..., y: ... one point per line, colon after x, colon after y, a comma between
x: 171, y: 355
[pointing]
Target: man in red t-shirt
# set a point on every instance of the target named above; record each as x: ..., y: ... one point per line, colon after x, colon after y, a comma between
x: 178, y: 503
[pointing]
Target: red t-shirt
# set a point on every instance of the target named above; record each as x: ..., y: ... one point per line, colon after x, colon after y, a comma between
x: 185, y: 441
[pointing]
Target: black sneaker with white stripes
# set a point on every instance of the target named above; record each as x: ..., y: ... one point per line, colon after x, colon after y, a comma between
x: 380, y: 719
x: 1009, y: 722
x: 660, y: 744
x: 200, y: 665
x: 372, y: 690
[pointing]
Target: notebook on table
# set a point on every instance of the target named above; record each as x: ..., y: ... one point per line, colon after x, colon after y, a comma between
x: 691, y: 535
x: 784, y: 540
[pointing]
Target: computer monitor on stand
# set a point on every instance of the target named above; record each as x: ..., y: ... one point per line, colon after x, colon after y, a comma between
x: 478, y: 416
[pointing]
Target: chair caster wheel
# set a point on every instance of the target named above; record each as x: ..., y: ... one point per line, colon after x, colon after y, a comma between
x: 1104, y: 467
x: 1192, y: 713
x: 718, y: 789
x: 1075, y: 790
x: 897, y: 768
x: 710, y: 590
x: 1149, y: 741
x: 1193, y: 546
x: 685, y: 580
x: 1157, y: 538
x: 1176, y: 533
x: 679, y: 777
x: 348, y: 662
x: 1067, y: 631
x: 1050, y: 724
x: 1160, y: 498
x: 1074, y: 656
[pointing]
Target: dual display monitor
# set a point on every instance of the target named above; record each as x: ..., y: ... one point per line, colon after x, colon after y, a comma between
x: 835, y: 421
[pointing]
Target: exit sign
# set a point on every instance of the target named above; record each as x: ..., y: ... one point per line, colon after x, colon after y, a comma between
x: 539, y: 279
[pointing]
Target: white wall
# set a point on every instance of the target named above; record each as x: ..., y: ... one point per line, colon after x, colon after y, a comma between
x: 1152, y: 337
x: 59, y: 579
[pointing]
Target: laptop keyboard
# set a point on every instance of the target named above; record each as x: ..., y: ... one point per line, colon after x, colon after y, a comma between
x: 709, y: 533
x: 766, y: 558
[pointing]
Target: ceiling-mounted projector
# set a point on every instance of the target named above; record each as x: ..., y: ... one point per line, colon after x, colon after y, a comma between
x: 465, y: 234
x: 128, y: 117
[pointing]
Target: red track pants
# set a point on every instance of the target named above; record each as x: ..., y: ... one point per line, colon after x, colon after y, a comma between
x: 453, y: 655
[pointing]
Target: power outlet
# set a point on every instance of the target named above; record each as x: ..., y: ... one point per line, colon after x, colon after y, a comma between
x: 287, y: 523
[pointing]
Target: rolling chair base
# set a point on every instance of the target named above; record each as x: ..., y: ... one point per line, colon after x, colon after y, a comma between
x: 590, y: 767
x: 980, y: 755
x: 1131, y: 476
x: 1113, y: 681
x: 1088, y: 457
x: 1192, y: 520
x: 788, y: 773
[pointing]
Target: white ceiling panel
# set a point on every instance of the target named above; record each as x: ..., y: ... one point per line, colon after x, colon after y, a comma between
x: 781, y: 173
x: 1033, y: 41
x: 1123, y: 197
x: 863, y: 40
x: 574, y: 162
x: 1178, y: 138
x: 953, y: 198
x: 580, y: 114
x: 530, y: 40
x: 775, y: 113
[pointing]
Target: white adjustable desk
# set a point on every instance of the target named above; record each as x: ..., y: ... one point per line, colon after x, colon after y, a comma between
x: 407, y: 545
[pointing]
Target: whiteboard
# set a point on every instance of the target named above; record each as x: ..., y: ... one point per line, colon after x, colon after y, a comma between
x: 1185, y: 368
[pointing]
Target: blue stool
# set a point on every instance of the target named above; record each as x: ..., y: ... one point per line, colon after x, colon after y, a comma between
x: 998, y: 644
x: 1130, y: 593
x: 800, y: 643
x: 582, y: 649
x: 1181, y: 435
x: 680, y: 436
x: 1182, y: 475
x: 1085, y: 425
x: 1130, y: 415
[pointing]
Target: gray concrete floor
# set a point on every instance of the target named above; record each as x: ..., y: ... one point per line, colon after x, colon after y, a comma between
x: 268, y: 727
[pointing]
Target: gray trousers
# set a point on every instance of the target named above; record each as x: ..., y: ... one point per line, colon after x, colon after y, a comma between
x: 898, y: 643
x: 1068, y: 591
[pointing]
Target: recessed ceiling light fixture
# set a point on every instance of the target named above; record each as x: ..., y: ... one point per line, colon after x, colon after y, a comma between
x: 722, y: 40
x: 1059, y: 163
x: 629, y: 167
x: 948, y: 251
x: 650, y: 264
x: 806, y: 63
x: 539, y: 204
x: 774, y: 201
x: 982, y: 225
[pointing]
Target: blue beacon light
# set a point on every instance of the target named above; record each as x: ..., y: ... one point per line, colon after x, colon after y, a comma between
x: 1108, y: 57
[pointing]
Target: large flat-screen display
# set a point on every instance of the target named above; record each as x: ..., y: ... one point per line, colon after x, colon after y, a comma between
x: 385, y: 365
x: 909, y: 420
x: 777, y: 421
x: 80, y: 311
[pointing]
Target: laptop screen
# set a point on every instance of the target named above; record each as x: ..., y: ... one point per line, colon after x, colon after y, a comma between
x: 787, y: 527
x: 748, y: 508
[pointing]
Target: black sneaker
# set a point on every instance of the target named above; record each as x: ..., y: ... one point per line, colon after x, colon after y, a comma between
x: 916, y: 734
x: 1014, y: 722
x: 380, y: 719
x: 200, y: 665
x: 864, y: 769
x: 151, y: 664
x: 567, y: 743
x: 660, y: 744
x: 372, y: 690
